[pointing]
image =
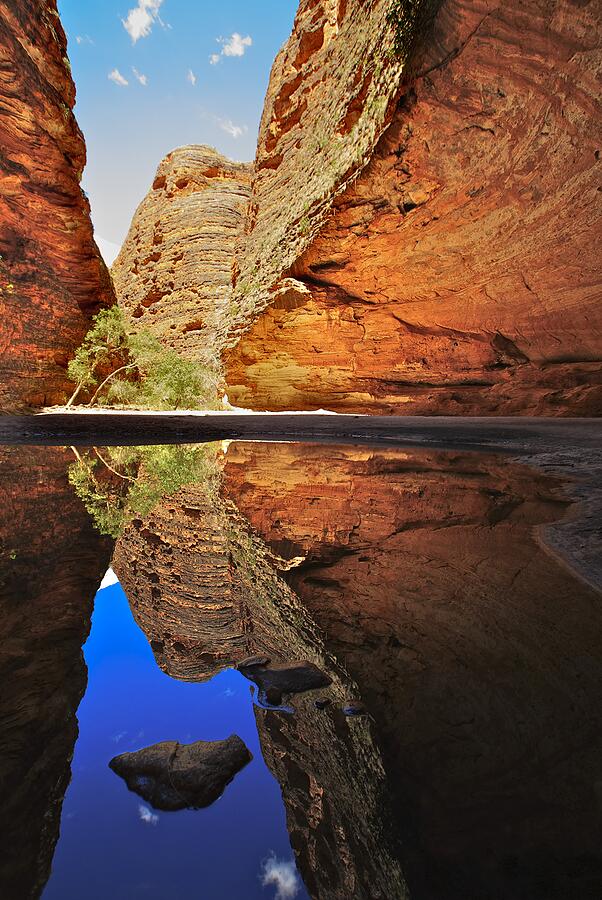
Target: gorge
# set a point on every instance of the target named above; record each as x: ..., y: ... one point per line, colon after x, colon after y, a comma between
x: 347, y: 656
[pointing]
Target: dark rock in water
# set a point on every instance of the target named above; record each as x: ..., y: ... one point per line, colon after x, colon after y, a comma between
x: 294, y: 678
x: 322, y: 702
x: 355, y: 708
x: 173, y: 776
x: 252, y: 662
x: 273, y: 696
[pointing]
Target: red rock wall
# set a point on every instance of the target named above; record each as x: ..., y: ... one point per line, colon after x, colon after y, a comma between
x: 52, y: 279
x: 460, y: 272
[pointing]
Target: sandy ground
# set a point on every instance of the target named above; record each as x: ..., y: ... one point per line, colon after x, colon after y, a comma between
x: 570, y: 449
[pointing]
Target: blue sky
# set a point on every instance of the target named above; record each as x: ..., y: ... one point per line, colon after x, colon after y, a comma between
x: 113, y: 844
x: 196, y: 73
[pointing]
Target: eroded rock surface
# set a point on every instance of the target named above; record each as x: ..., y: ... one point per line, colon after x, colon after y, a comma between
x: 52, y: 278
x: 173, y: 274
x: 174, y: 776
x: 209, y: 594
x: 476, y: 654
x: 51, y: 564
x: 459, y: 272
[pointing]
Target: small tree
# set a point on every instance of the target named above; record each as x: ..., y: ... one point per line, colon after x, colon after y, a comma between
x: 121, y: 483
x: 150, y: 375
x: 107, y: 337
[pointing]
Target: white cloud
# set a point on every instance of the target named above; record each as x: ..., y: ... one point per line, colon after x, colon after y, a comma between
x: 109, y: 577
x: 118, y: 78
x: 141, y: 78
x: 283, y: 875
x: 191, y: 77
x: 230, y: 128
x: 151, y: 818
x: 141, y: 19
x: 235, y: 45
x: 84, y: 39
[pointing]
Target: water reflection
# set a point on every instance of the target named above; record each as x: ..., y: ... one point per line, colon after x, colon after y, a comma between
x: 478, y: 656
x: 414, y: 580
x: 209, y: 593
x: 51, y: 562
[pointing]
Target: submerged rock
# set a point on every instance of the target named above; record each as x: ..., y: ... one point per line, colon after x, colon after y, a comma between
x: 354, y: 708
x: 252, y: 661
x: 290, y: 678
x: 172, y: 776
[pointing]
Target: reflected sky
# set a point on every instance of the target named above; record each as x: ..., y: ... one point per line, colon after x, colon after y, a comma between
x: 112, y: 844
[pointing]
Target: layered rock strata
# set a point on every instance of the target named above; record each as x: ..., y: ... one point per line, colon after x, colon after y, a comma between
x: 174, y: 272
x: 451, y: 265
x: 52, y: 278
x: 476, y: 654
x: 208, y: 593
x: 51, y: 563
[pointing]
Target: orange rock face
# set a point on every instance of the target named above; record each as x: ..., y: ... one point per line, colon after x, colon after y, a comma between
x: 459, y: 271
x: 173, y: 274
x: 52, y: 279
x: 476, y: 654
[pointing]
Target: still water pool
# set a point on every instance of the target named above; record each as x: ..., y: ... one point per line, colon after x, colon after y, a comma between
x: 268, y: 591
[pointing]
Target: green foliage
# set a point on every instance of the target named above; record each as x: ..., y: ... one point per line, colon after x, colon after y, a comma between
x: 106, y: 337
x: 141, y: 371
x: 121, y: 483
x: 410, y: 20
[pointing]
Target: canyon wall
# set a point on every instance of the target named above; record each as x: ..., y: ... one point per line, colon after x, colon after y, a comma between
x: 174, y: 272
x: 52, y: 278
x: 426, y: 241
x: 208, y: 593
x: 51, y: 563
x: 476, y: 654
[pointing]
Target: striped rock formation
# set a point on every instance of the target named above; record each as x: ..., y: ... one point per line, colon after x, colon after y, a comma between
x: 174, y: 272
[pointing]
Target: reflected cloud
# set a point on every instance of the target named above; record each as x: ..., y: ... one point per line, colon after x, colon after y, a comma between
x: 281, y: 874
x: 151, y: 818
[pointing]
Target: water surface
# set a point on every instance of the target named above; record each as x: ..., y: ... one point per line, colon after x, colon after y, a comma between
x: 415, y: 580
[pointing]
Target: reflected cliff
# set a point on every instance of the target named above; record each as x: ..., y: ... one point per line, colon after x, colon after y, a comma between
x: 209, y: 594
x: 51, y: 563
x: 478, y: 655
x: 416, y: 580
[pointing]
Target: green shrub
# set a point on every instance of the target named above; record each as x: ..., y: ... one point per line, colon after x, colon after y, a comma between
x: 142, y: 372
x: 120, y: 483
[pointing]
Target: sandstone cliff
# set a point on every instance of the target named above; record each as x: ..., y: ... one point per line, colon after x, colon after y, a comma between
x: 477, y: 655
x: 426, y: 241
x: 174, y: 272
x: 51, y: 563
x: 208, y: 592
x: 52, y: 279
